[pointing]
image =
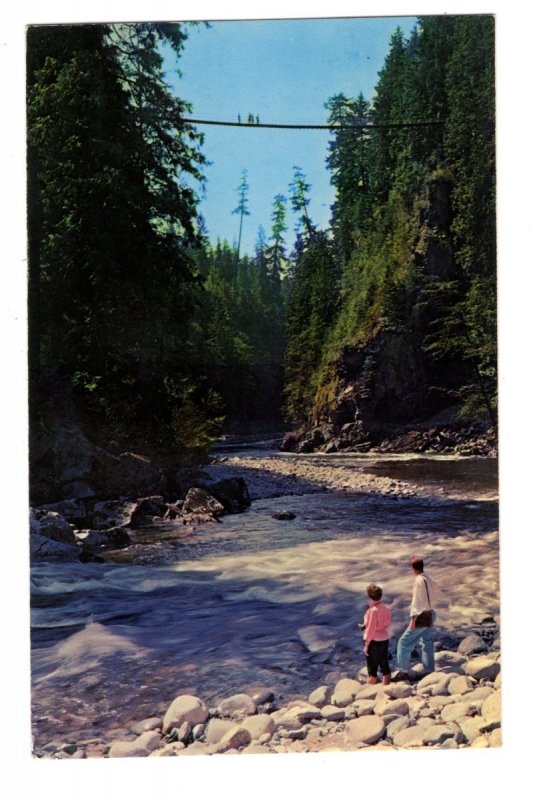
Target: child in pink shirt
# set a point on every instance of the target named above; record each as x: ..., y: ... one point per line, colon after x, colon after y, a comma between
x: 376, y: 635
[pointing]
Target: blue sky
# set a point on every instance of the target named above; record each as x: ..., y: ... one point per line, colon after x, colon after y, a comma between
x: 282, y: 71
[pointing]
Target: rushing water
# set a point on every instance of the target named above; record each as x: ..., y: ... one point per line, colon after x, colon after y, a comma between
x: 254, y: 601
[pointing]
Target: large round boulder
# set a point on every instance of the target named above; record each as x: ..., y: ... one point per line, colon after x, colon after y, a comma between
x: 185, y: 708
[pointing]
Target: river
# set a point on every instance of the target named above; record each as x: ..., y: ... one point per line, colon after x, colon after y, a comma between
x: 255, y: 601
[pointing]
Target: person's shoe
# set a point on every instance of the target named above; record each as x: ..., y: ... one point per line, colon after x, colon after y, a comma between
x: 372, y: 680
x: 401, y: 676
x: 386, y: 680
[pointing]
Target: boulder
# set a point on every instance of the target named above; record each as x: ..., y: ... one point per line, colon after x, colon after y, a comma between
x: 491, y: 710
x: 345, y: 692
x: 456, y: 711
x: 284, y: 515
x: 126, y: 474
x: 448, y: 658
x: 134, y: 749
x: 41, y: 547
x: 333, y: 713
x: 472, y: 644
x: 470, y: 727
x: 320, y: 697
x: 73, y: 510
x: 185, y: 708
x: 262, y: 696
x: 369, y: 691
x: 146, y: 508
x: 112, y: 514
x: 461, y: 685
x: 217, y: 729
x: 365, y: 730
x: 232, y: 493
x: 238, y: 705
x: 235, y: 739
x: 258, y: 725
x: 483, y: 667
x: 51, y: 525
x: 438, y: 734
x: 386, y: 707
x: 198, y: 501
x: 412, y: 736
x: 398, y: 724
x: 149, y: 724
x: 150, y: 740
x: 79, y: 490
x: 397, y: 691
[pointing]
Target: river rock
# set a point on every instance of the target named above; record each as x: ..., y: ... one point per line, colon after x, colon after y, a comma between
x: 232, y: 493
x: 235, y: 739
x: 366, y: 730
x: 413, y: 736
x: 134, y: 749
x: 150, y: 740
x: 333, y: 713
x: 483, y: 667
x: 456, y: 711
x: 345, y: 692
x: 42, y: 547
x: 112, y: 514
x: 238, y: 705
x: 491, y: 710
x: 198, y: 501
x: 470, y: 727
x: 438, y: 734
x: 480, y: 693
x: 369, y: 692
x: 146, y: 508
x: 284, y: 515
x: 472, y: 644
x: 72, y: 510
x: 51, y: 525
x: 386, y: 707
x: 111, y: 539
x: 185, y: 708
x: 461, y: 685
x: 363, y: 707
x: 217, y: 729
x: 320, y: 697
x: 262, y: 696
x: 495, y: 738
x: 448, y: 658
x: 397, y: 691
x: 128, y: 474
x: 434, y: 679
x: 78, y: 490
x: 259, y: 725
x: 149, y: 724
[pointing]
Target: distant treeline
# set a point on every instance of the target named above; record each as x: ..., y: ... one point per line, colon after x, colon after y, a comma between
x: 157, y: 337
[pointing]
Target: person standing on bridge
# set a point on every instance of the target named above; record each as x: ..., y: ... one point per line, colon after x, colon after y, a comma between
x: 421, y: 619
x: 376, y: 636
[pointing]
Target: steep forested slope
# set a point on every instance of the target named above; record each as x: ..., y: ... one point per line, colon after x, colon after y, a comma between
x: 408, y: 326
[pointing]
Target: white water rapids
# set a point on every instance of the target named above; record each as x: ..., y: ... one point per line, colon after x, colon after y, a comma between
x: 255, y: 601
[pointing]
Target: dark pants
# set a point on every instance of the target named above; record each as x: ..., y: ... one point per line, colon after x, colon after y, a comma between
x: 378, y: 656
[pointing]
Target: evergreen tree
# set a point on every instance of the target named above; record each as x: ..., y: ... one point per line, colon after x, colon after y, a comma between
x: 242, y: 207
x: 111, y: 226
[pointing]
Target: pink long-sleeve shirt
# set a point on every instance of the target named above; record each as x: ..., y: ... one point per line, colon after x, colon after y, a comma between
x: 377, y: 620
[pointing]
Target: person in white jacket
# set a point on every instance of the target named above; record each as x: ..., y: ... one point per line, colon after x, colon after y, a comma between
x: 421, y: 620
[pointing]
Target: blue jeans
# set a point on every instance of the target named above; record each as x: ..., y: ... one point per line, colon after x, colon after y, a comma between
x: 405, y: 645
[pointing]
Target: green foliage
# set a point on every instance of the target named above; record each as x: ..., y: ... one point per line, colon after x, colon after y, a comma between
x: 413, y: 222
x: 111, y: 226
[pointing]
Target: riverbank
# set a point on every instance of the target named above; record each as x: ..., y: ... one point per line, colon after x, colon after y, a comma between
x: 262, y: 601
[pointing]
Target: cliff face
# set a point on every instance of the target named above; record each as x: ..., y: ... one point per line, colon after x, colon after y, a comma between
x: 393, y: 383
